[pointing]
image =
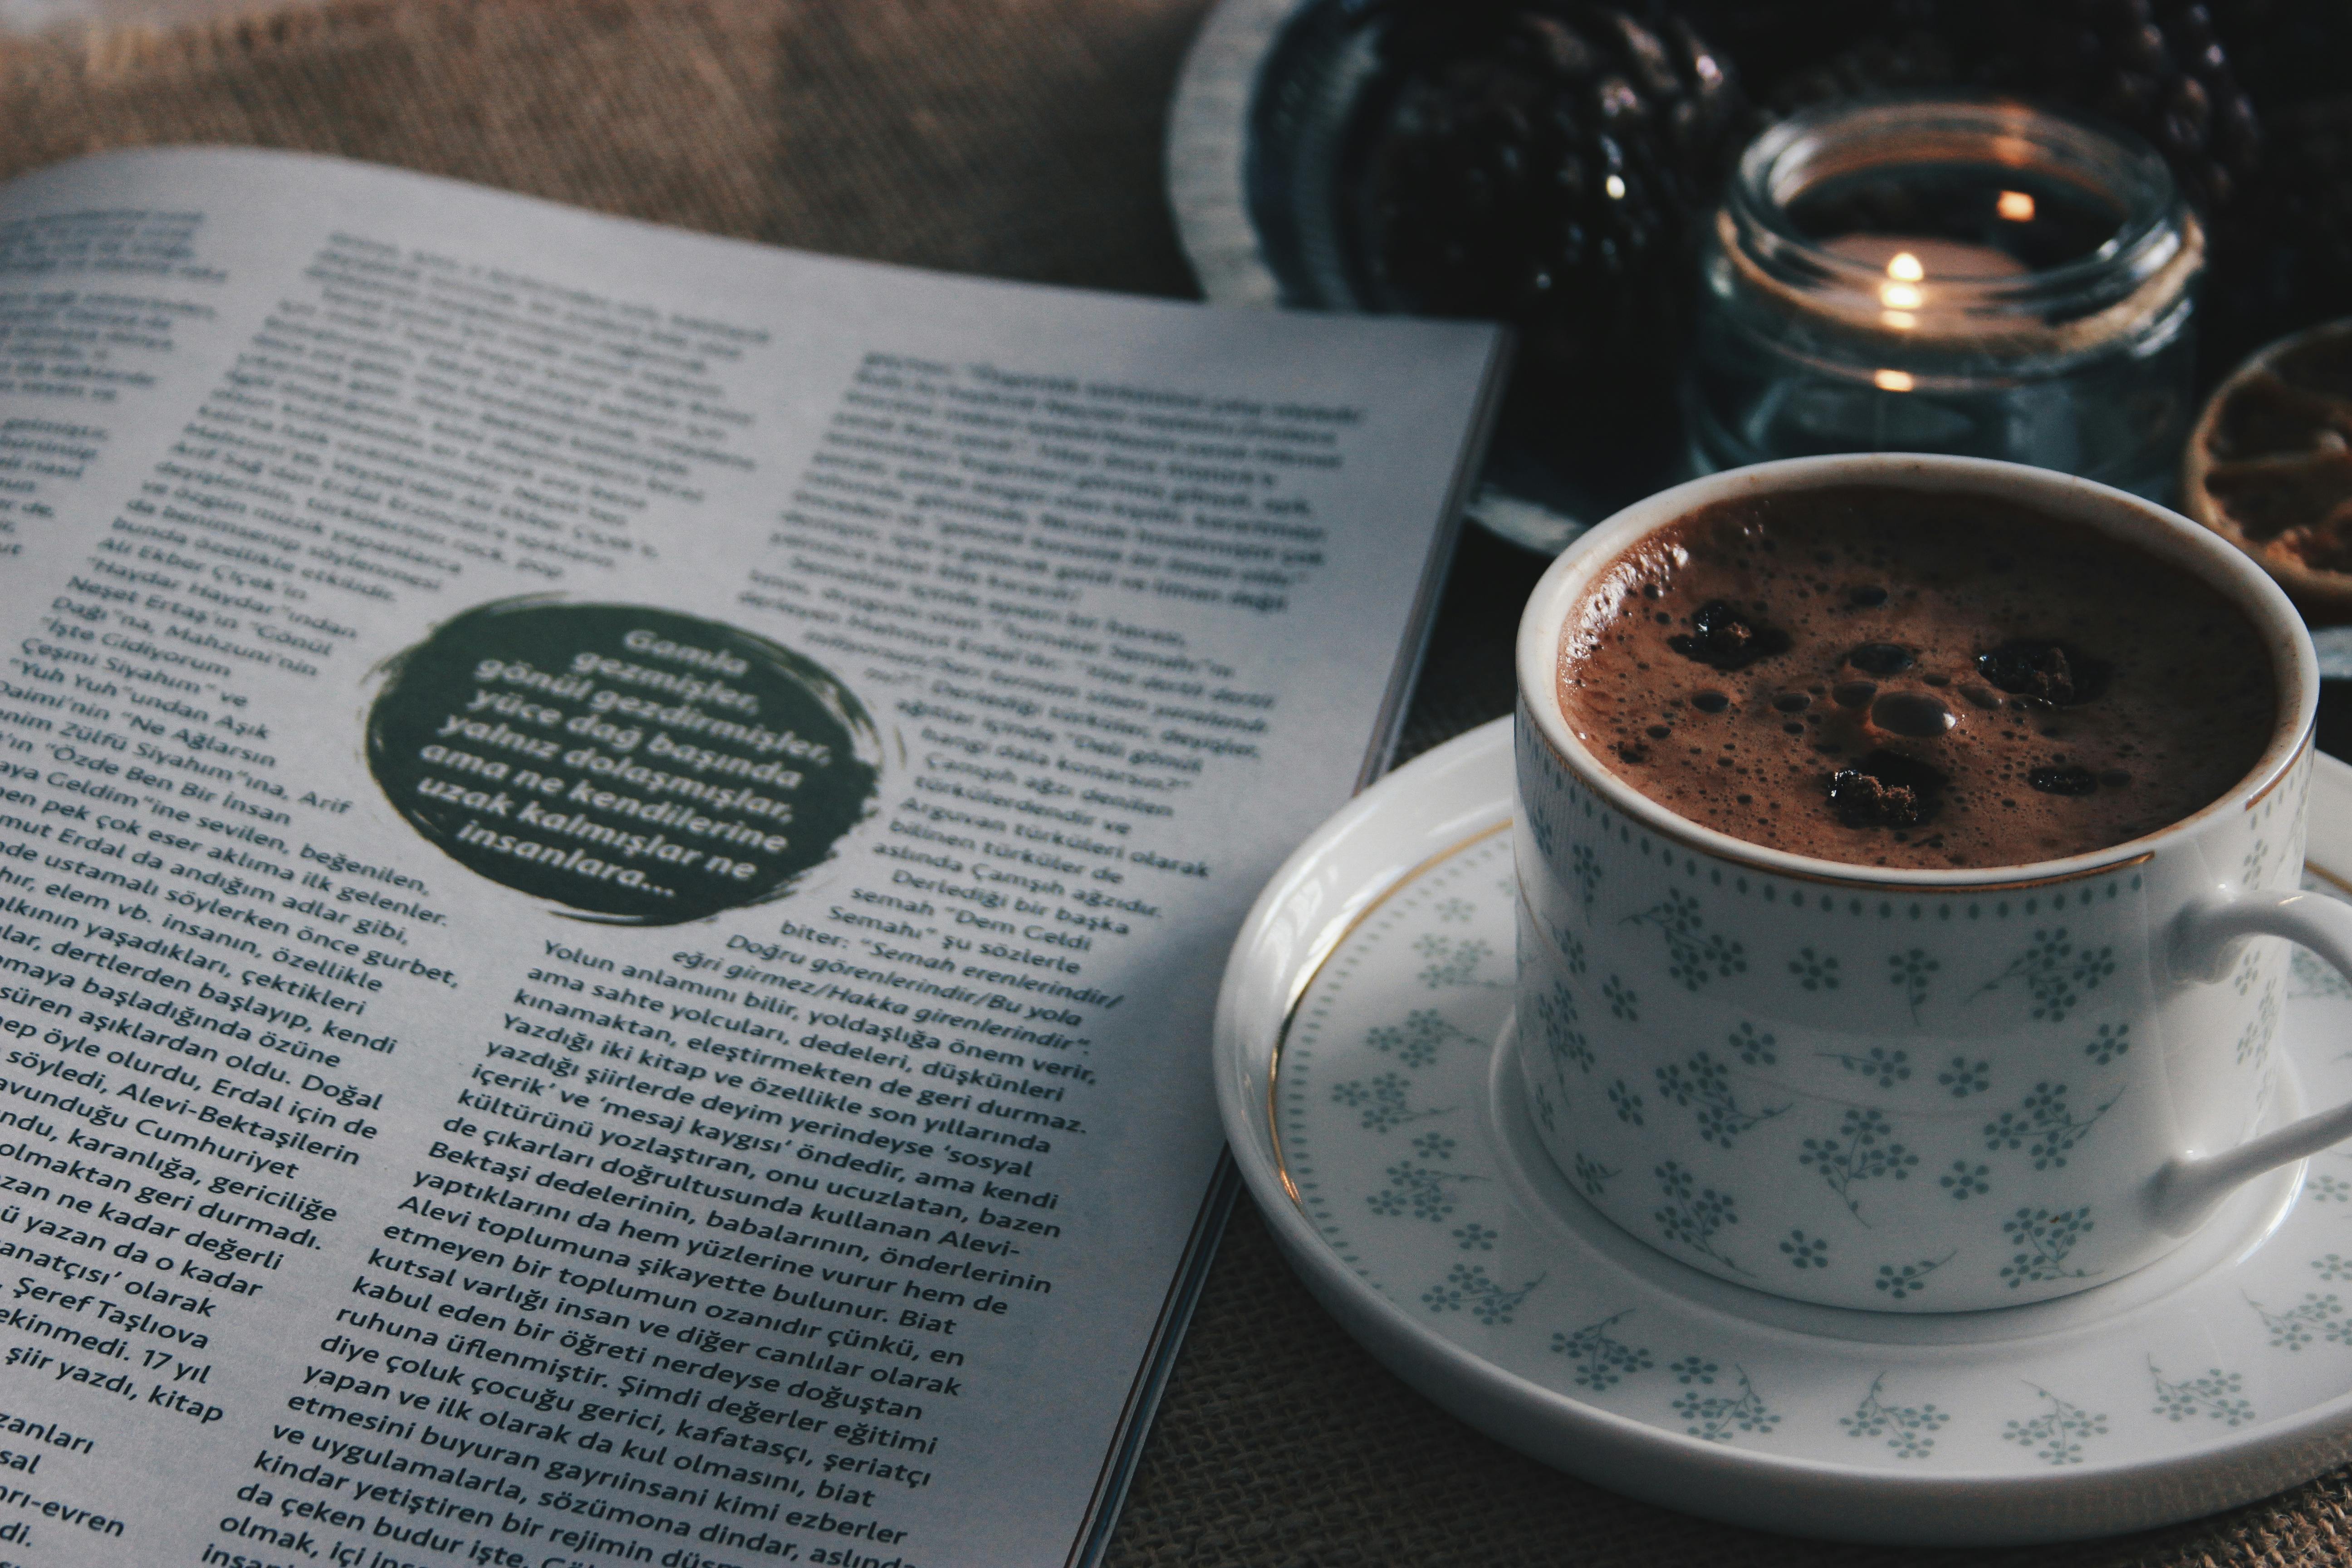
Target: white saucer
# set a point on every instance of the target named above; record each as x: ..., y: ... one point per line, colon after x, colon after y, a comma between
x: 1361, y: 1080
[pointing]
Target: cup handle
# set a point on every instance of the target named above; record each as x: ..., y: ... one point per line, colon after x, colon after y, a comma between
x: 2204, y: 938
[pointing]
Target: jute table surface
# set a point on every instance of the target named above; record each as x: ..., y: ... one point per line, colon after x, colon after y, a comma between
x: 1018, y: 137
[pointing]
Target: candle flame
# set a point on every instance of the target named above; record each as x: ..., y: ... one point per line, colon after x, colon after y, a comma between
x: 1615, y: 185
x: 1901, y: 321
x: 2015, y: 206
x: 1893, y: 381
x: 1904, y: 265
x: 1899, y: 297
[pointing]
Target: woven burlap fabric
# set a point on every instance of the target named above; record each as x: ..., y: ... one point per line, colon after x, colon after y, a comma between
x: 1018, y: 137
x: 1013, y: 137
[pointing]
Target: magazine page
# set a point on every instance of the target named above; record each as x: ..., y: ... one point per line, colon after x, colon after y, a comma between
x: 615, y: 850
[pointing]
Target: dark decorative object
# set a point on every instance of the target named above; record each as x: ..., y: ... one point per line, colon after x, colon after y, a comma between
x: 1544, y: 161
x: 2289, y: 252
x: 2156, y: 66
x: 1552, y: 163
x: 2168, y: 70
x: 2269, y: 466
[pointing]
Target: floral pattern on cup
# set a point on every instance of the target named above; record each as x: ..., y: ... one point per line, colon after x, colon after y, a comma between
x: 1902, y: 1056
x: 1437, y: 1228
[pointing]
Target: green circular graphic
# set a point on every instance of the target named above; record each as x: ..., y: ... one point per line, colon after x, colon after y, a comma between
x: 632, y: 764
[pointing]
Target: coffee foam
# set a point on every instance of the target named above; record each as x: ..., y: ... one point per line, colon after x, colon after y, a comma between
x: 1811, y: 671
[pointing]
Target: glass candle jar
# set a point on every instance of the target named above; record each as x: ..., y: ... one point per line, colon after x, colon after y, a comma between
x: 1970, y: 276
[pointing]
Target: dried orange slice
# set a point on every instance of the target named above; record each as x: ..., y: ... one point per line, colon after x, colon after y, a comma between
x: 2269, y: 466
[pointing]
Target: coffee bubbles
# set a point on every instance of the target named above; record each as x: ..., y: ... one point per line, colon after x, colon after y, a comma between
x: 1904, y: 678
x: 2060, y: 674
x: 1882, y: 659
x: 1915, y: 714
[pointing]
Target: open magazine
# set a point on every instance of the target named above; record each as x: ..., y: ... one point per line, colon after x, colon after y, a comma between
x: 615, y: 850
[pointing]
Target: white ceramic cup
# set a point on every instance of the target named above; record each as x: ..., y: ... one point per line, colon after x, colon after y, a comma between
x: 1901, y: 1089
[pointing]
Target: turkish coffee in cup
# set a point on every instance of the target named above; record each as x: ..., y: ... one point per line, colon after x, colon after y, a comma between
x: 1901, y: 678
x: 1900, y: 843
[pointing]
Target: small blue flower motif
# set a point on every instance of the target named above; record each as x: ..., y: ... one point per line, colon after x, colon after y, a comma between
x: 2316, y: 1315
x: 1908, y: 1430
x: 1692, y: 1214
x: 1755, y: 1049
x: 1431, y: 1193
x: 2327, y: 1189
x: 1908, y: 1279
x: 1415, y: 1042
x: 1385, y: 1101
x: 1451, y: 963
x: 2058, y: 1436
x: 2044, y: 1239
x: 2256, y: 862
x: 1443, y: 1298
x: 1913, y: 973
x: 2333, y: 1266
x: 1804, y: 1252
x: 1489, y: 1301
x: 1556, y: 1014
x: 1627, y: 1102
x: 1965, y: 1180
x: 1454, y: 909
x: 2218, y: 1396
x: 1814, y: 972
x: 1714, y: 1417
x: 1624, y: 1003
x: 2314, y: 977
x: 1434, y: 1146
x: 2045, y: 1119
x: 1602, y: 1361
x: 1694, y: 1369
x: 1539, y: 823
x: 1585, y: 866
x: 1965, y: 1077
x: 2055, y: 973
x: 2114, y: 1040
x: 1896, y: 1282
x: 1475, y: 1239
x: 1883, y: 1066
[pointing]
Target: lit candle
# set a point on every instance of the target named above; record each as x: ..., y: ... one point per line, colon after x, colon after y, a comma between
x: 1916, y: 257
x: 1948, y: 275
